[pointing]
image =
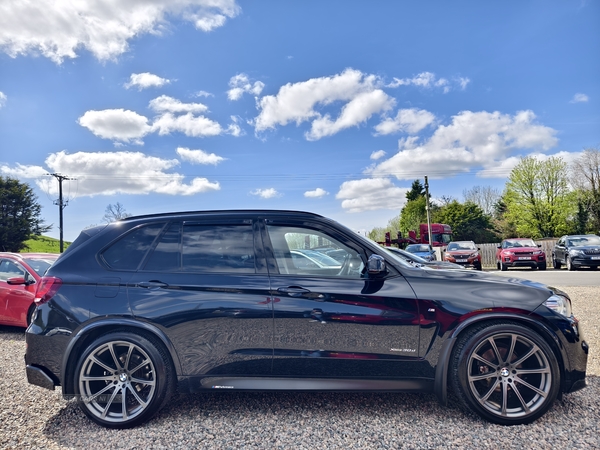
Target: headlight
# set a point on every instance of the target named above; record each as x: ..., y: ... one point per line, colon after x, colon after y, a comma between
x: 559, y: 304
x: 576, y: 252
x: 537, y: 253
x: 509, y: 253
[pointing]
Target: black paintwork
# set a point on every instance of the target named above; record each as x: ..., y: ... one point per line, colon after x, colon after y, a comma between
x: 266, y: 330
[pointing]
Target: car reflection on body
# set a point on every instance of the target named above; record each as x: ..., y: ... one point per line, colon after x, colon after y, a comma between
x: 423, y: 250
x: 420, y: 262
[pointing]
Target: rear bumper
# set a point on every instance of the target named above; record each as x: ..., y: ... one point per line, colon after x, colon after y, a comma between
x: 37, y: 376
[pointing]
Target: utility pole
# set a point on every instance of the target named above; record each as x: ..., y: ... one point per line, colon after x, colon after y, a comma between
x: 61, y: 204
x: 427, y: 210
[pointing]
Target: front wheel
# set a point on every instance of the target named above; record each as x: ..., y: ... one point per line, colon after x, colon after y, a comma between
x: 122, y: 379
x: 542, y: 266
x: 570, y: 265
x: 556, y: 264
x: 505, y: 372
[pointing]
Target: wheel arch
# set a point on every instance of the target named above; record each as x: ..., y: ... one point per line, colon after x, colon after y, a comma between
x: 441, y: 371
x: 87, y: 334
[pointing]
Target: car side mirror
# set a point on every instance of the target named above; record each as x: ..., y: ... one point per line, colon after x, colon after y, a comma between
x: 499, y: 247
x: 376, y: 265
x: 15, y: 281
x: 539, y: 245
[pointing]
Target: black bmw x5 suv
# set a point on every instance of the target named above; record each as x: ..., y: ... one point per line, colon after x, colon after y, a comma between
x: 191, y: 301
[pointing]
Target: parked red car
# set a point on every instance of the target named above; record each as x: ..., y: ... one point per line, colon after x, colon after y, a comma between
x: 465, y: 253
x: 520, y: 252
x: 20, y: 274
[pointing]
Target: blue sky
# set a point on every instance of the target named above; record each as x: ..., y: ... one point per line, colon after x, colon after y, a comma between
x: 326, y: 106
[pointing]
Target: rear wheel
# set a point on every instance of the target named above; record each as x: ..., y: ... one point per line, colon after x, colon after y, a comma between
x: 122, y: 379
x: 505, y: 372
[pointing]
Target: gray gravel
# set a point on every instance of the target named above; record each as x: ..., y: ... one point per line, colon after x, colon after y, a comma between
x: 32, y: 417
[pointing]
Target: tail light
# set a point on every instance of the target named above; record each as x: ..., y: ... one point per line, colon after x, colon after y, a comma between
x: 46, y: 289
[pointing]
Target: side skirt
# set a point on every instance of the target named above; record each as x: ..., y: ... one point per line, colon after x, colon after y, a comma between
x: 196, y: 384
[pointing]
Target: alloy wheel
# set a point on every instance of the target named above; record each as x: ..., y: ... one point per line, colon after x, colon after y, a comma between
x: 509, y: 375
x: 117, y: 381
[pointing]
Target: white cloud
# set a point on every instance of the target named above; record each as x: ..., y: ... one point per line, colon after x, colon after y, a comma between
x: 266, y: 193
x: 165, y: 103
x: 429, y: 80
x: 109, y: 173
x: 317, y: 193
x: 199, y: 156
x: 407, y: 120
x: 203, y: 94
x: 3, y: 99
x: 371, y: 194
x: 378, y: 155
x: 473, y: 140
x: 145, y: 80
x: 187, y: 124
x: 59, y: 29
x: 356, y: 111
x: 298, y: 103
x: 117, y: 124
x: 241, y: 84
x: 580, y: 98
x: 463, y: 82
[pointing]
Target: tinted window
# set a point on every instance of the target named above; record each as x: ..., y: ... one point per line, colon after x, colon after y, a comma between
x: 127, y: 253
x: 302, y: 251
x: 218, y: 248
x: 167, y: 254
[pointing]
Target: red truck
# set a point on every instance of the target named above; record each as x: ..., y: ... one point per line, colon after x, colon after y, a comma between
x: 441, y: 235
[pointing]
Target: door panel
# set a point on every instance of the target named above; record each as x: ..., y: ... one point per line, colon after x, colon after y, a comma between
x: 340, y: 324
x: 211, y: 298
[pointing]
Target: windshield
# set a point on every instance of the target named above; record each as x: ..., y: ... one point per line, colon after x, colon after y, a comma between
x: 39, y: 265
x: 512, y: 243
x: 453, y: 246
x: 417, y: 248
x: 579, y: 241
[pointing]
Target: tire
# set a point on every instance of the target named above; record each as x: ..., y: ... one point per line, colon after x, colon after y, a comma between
x: 478, y: 266
x: 542, y: 265
x: 556, y: 264
x: 503, y: 267
x: 570, y: 266
x: 120, y: 362
x: 504, y: 372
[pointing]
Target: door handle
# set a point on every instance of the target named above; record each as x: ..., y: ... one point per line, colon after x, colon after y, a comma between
x: 153, y: 285
x: 293, y: 291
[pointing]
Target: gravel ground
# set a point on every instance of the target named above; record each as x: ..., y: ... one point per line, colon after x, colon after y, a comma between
x: 32, y: 417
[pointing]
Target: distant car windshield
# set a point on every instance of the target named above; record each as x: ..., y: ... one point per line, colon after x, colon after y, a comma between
x: 512, y: 243
x: 454, y: 246
x: 417, y: 248
x: 580, y: 241
x: 39, y: 265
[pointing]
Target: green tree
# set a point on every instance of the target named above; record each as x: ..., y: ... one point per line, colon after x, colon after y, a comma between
x: 537, y: 196
x: 412, y: 215
x: 417, y: 190
x: 585, y: 176
x: 467, y: 220
x: 19, y: 215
